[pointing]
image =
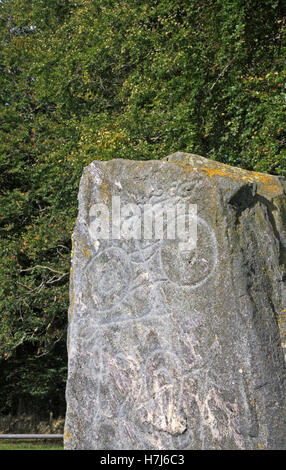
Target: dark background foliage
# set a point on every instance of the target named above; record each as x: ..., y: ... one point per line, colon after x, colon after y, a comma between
x: 100, y: 79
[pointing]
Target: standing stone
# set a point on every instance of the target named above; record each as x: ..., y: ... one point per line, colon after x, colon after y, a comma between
x: 174, y: 349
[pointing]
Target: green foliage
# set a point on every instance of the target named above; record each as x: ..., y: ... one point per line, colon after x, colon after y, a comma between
x: 30, y: 445
x: 99, y: 79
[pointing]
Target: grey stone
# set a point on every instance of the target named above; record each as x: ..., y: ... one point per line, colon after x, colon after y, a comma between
x: 168, y: 351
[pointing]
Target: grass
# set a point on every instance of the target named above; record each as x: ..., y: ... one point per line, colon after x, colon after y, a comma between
x: 30, y: 445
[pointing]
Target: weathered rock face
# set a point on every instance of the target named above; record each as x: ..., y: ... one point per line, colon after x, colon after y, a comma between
x: 171, y: 349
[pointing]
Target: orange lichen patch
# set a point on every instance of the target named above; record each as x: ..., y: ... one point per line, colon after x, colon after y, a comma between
x: 82, y: 247
x: 104, y: 192
x: 186, y: 166
x: 71, y: 309
x: 140, y: 163
x: 269, y: 182
x: 268, y: 185
x: 282, y: 324
x: 265, y: 183
x: 67, y: 435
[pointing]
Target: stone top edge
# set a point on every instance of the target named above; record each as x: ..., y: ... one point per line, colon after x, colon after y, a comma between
x: 194, y: 160
x: 199, y: 160
x: 271, y: 185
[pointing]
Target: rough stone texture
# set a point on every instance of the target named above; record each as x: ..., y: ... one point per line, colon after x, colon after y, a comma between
x: 169, y: 353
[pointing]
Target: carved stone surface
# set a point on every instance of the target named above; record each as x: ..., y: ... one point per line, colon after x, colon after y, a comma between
x: 174, y: 350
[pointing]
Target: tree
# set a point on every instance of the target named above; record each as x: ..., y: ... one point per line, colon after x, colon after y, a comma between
x: 100, y: 79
